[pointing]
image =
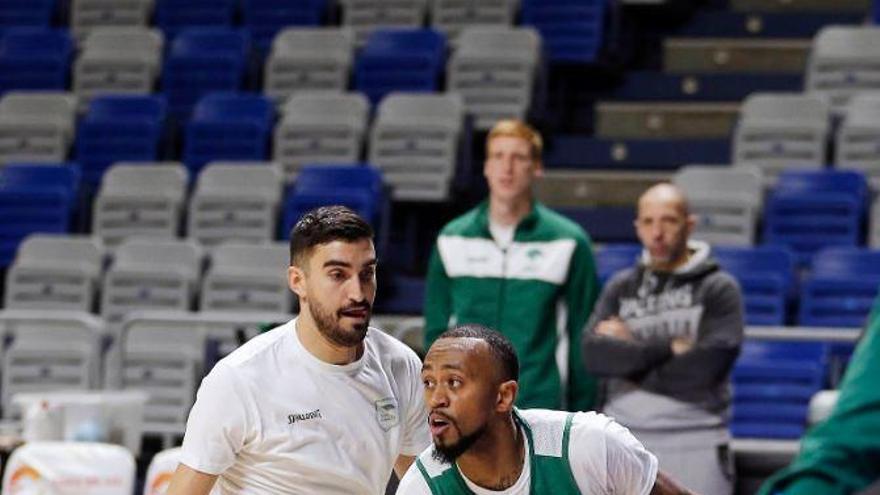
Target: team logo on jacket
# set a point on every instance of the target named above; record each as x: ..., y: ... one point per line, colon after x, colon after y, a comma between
x: 386, y: 413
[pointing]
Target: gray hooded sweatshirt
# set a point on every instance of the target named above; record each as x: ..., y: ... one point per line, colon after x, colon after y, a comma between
x: 646, y: 386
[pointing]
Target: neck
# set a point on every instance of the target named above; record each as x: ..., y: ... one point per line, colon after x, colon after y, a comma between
x: 319, y: 346
x: 671, y: 266
x: 509, y: 212
x: 496, y: 460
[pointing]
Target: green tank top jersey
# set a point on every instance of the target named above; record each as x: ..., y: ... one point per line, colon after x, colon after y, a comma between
x: 548, y: 434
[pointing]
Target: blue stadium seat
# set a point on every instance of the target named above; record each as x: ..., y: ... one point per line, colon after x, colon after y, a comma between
x: 572, y: 30
x: 35, y: 198
x: 400, y: 60
x: 35, y: 13
x: 841, y: 288
x: 812, y: 209
x: 766, y: 275
x: 172, y: 16
x: 119, y: 128
x: 200, y: 61
x: 615, y: 257
x: 772, y: 386
x: 228, y: 126
x: 265, y: 18
x: 34, y: 58
x: 357, y: 186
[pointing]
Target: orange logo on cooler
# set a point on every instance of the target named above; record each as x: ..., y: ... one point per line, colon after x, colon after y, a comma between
x: 160, y: 483
x: 23, y: 480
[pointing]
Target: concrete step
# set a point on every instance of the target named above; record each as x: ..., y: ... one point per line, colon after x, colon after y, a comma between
x: 615, y: 120
x: 581, y: 189
x: 800, y: 5
x: 735, y: 55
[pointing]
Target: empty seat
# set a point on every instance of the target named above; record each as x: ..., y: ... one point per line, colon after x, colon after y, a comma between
x: 400, y: 60
x: 572, y: 30
x: 841, y: 287
x: 451, y: 16
x: 172, y: 16
x: 55, y: 272
x: 228, y: 126
x: 857, y: 140
x: 726, y: 200
x: 811, y: 209
x: 86, y: 15
x: 235, y: 202
x: 247, y: 277
x: 49, y: 350
x: 494, y: 70
x: 39, y: 467
x: 308, y: 59
x: 119, y: 128
x: 612, y: 258
x: 358, y: 187
x: 36, y: 126
x: 414, y: 141
x: 781, y: 130
x: 31, y: 13
x: 34, y: 58
x: 772, y: 386
x: 139, y: 199
x: 202, y: 60
x: 365, y: 16
x: 151, y: 274
x: 320, y: 128
x: 766, y: 276
x: 35, y: 198
x: 843, y: 62
x: 266, y: 18
x: 118, y: 60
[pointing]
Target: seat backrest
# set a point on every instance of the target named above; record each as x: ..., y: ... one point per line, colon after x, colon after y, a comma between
x: 240, y: 179
x: 227, y: 106
x: 500, y: 42
x: 195, y: 42
x: 133, y: 40
x: 38, y: 249
x: 328, y: 177
x: 710, y: 181
x: 759, y: 350
x: 323, y: 107
x: 756, y: 260
x: 50, y: 104
x: 433, y: 109
x: 42, y: 467
x: 846, y: 263
x: 172, y: 15
x: 848, y: 182
x: 401, y: 41
x: 314, y: 41
x: 145, y: 179
x: 127, y: 107
x: 184, y: 257
x: 38, y: 42
x: 266, y: 258
x: 863, y: 110
x: 795, y: 109
x: 63, y: 176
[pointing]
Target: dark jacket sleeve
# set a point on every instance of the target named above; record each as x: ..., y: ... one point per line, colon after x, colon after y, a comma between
x: 438, y: 299
x: 609, y: 357
x: 718, y: 342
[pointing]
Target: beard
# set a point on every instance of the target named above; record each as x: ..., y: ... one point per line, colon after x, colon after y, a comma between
x: 449, y: 453
x: 328, y: 324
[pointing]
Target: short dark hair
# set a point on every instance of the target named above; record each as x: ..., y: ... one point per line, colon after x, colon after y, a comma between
x: 502, y: 350
x: 326, y: 224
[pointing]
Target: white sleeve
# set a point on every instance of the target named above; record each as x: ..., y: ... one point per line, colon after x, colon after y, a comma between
x: 416, y: 436
x: 413, y: 483
x: 607, y: 459
x: 218, y: 423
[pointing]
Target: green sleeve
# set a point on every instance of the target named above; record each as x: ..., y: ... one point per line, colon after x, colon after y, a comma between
x: 581, y: 292
x: 842, y: 454
x: 438, y: 299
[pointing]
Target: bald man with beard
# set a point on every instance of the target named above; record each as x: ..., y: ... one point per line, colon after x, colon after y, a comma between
x: 663, y: 337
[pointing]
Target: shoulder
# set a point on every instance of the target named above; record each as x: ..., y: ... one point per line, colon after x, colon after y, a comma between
x: 426, y: 465
x: 250, y: 352
x: 622, y: 278
x: 413, y: 482
x: 466, y: 224
x: 389, y: 349
x: 721, y: 283
x: 557, y: 225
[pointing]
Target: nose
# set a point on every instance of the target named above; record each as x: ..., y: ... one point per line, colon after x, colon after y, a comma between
x: 437, y: 398
x: 356, y: 292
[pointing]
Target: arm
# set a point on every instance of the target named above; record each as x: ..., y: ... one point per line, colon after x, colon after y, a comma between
x: 665, y: 486
x: 719, y: 337
x: 188, y: 481
x: 438, y: 298
x: 581, y: 291
x: 402, y: 464
x: 608, y: 356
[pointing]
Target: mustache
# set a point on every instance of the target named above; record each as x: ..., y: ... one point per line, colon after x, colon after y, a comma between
x: 357, y: 306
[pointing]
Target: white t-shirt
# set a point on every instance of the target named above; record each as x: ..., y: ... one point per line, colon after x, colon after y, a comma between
x: 271, y: 418
x: 503, y: 234
x: 605, y: 459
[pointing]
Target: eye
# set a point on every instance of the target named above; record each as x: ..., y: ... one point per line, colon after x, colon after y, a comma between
x: 368, y: 274
x: 337, y: 275
x: 454, y: 383
x: 427, y: 383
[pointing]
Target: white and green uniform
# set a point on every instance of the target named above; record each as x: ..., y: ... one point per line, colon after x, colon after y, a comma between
x: 568, y: 453
x: 537, y: 288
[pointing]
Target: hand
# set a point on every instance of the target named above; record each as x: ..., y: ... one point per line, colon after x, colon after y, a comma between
x: 680, y: 345
x: 614, y: 328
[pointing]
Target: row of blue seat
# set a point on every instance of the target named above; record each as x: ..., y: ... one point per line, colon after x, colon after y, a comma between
x: 573, y: 29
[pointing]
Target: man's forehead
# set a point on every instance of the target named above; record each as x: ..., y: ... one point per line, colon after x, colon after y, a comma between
x: 358, y: 252
x: 461, y: 351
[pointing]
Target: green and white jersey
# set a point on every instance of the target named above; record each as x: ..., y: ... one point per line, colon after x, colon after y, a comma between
x: 568, y: 453
x: 538, y: 290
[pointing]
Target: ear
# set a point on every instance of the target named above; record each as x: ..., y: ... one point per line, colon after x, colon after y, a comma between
x: 539, y: 169
x: 296, y: 280
x: 506, y: 396
x: 691, y: 223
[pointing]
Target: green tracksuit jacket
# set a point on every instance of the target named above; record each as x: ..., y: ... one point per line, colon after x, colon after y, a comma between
x: 539, y: 292
x: 842, y: 455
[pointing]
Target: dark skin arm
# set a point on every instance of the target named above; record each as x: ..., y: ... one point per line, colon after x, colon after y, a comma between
x: 665, y: 486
